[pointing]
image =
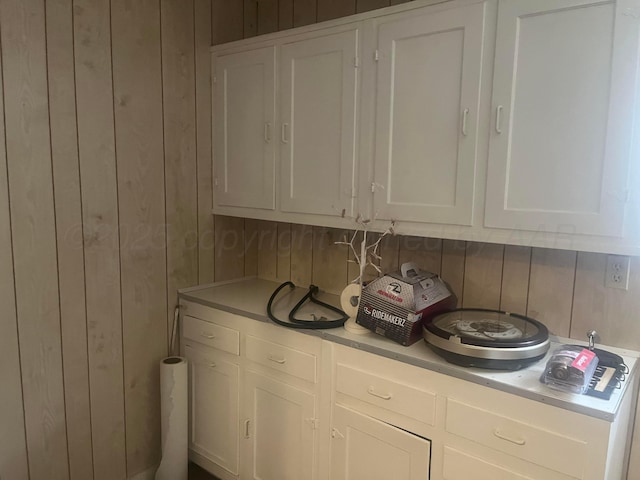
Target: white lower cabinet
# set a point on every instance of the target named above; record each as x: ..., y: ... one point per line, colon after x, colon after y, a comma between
x: 279, y: 430
x: 365, y: 448
x: 214, y: 396
x: 270, y: 403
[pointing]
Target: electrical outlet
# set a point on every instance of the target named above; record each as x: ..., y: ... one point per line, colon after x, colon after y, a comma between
x: 617, y: 273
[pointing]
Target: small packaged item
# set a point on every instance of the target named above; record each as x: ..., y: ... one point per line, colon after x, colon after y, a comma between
x: 570, y: 369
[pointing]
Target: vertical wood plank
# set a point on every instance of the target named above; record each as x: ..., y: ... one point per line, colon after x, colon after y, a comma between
x: 305, y: 12
x: 13, y: 461
x: 515, y: 279
x: 268, y: 13
x: 301, y: 255
x: 329, y: 260
x: 22, y: 26
x: 453, y: 265
x: 229, y: 248
x: 227, y: 21
x: 182, y: 187
x: 366, y: 5
x: 250, y: 18
x: 267, y: 249
x: 613, y: 313
x: 328, y: 9
x: 68, y: 203
x: 202, y: 40
x: 285, y: 14
x: 390, y: 253
x: 426, y: 253
x: 283, y: 270
x: 137, y: 83
x: 482, y: 275
x: 96, y: 143
x: 551, y: 288
x: 251, y: 235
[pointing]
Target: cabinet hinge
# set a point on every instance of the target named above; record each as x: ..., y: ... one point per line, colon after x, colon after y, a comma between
x: 314, y: 422
x: 356, y: 62
x: 215, y: 181
x: 335, y: 433
x: 376, y: 55
x: 215, y: 79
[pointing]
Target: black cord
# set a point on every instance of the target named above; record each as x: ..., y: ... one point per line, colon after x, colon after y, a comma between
x: 308, y: 324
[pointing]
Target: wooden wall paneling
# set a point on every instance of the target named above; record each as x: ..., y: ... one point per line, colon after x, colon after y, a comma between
x: 285, y: 14
x: 96, y: 143
x: 390, y: 252
x: 482, y: 275
x: 301, y: 255
x: 515, y: 279
x: 268, y: 14
x: 137, y: 82
x: 329, y: 9
x: 613, y: 313
x: 181, y: 162
x: 250, y: 28
x: 13, y: 461
x: 251, y: 235
x: 551, y: 288
x: 229, y: 248
x: 227, y: 21
x: 426, y: 253
x: 305, y: 12
x: 22, y: 26
x: 453, y: 265
x: 202, y: 43
x: 283, y: 269
x: 366, y: 5
x: 66, y: 181
x: 329, y: 259
x: 267, y: 249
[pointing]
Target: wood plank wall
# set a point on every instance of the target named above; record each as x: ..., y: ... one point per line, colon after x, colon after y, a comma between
x: 564, y: 289
x: 105, y: 210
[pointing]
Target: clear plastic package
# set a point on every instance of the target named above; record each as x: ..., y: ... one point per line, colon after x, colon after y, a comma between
x: 570, y: 369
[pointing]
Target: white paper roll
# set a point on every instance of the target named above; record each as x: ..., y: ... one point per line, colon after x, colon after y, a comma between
x: 174, y: 403
x: 350, y: 298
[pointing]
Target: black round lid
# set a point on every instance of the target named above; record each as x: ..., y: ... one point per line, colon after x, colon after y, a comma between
x: 488, y: 328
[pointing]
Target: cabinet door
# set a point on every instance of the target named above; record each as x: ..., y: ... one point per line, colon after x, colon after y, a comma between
x: 279, y: 430
x: 244, y: 121
x: 427, y: 115
x: 561, y: 135
x: 214, y: 405
x: 318, y: 109
x: 363, y: 447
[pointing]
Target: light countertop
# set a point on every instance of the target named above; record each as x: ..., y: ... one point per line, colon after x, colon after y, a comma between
x: 248, y: 298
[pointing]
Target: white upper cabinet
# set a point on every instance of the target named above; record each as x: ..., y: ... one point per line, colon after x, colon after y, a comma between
x: 427, y: 103
x: 563, y: 90
x: 318, y: 91
x: 244, y: 123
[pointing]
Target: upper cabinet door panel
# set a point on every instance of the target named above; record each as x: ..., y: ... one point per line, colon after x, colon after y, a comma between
x: 560, y: 145
x: 427, y: 115
x: 318, y: 86
x: 244, y: 122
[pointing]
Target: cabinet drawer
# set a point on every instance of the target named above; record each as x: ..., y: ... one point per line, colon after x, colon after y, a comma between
x: 388, y: 394
x: 542, y: 447
x: 283, y: 359
x: 222, y: 338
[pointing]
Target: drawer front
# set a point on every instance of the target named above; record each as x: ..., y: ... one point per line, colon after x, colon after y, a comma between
x: 388, y: 394
x: 542, y: 447
x: 216, y: 336
x: 283, y: 359
x: 460, y: 466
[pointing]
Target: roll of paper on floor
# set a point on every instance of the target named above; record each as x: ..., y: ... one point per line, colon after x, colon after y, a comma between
x: 174, y: 417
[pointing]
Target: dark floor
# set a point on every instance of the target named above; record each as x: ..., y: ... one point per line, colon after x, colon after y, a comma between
x: 196, y: 473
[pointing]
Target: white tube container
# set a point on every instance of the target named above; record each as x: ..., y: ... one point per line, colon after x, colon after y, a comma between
x: 174, y: 380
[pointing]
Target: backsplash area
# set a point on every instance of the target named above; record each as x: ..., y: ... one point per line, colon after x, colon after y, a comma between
x: 563, y: 289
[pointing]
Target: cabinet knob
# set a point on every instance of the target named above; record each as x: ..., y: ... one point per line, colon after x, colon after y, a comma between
x: 465, y: 116
x: 284, y: 134
x: 276, y: 359
x: 502, y: 436
x: 499, y: 119
x: 384, y: 396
